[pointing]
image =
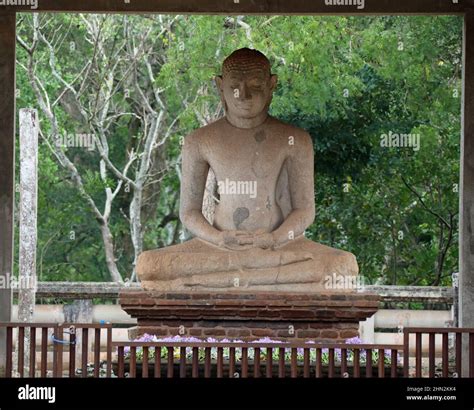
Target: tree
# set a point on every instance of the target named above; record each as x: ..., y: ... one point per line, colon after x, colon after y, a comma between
x: 141, y: 83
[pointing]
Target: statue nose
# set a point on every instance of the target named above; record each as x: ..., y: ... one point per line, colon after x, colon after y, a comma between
x: 244, y: 92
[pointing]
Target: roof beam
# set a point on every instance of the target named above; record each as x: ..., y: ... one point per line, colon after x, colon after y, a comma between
x: 266, y: 7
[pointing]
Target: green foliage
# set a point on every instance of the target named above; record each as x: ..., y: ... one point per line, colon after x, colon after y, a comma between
x: 347, y: 80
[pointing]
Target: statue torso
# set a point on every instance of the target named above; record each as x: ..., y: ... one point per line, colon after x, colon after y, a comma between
x: 247, y: 164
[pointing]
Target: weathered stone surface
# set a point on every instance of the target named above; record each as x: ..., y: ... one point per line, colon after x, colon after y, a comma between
x: 110, y: 290
x: 264, y: 171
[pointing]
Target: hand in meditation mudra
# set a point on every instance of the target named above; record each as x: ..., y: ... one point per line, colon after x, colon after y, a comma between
x: 264, y: 169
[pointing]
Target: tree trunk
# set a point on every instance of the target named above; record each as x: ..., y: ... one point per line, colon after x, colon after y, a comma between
x: 136, y: 230
x: 107, y: 238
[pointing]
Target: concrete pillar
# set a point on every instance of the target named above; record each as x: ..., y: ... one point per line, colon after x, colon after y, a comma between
x: 7, y: 167
x: 29, y: 129
x: 466, y: 202
x: 367, y: 330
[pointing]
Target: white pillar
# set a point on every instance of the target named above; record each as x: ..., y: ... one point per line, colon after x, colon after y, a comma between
x: 29, y: 129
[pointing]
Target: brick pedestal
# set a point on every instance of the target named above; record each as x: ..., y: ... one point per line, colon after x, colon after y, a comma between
x: 331, y: 317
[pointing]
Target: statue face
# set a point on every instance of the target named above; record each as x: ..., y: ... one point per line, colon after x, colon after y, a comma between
x: 247, y: 94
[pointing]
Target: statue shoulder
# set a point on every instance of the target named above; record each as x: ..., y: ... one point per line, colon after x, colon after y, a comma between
x: 199, y: 143
x: 299, y: 135
x: 203, y: 134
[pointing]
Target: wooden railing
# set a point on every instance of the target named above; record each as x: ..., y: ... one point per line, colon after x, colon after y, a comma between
x: 176, y: 359
x: 42, y: 350
x: 52, y: 340
x: 457, y: 350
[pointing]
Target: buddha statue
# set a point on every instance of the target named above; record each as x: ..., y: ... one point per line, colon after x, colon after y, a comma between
x: 264, y: 171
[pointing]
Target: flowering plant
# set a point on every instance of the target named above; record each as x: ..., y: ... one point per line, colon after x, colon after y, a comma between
x: 251, y: 351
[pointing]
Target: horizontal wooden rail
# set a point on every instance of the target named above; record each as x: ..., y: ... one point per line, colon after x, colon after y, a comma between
x: 76, y: 325
x: 438, y: 330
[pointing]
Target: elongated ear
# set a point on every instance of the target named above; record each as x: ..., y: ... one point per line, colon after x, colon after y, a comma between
x: 220, y: 87
x: 273, y: 81
x: 219, y: 83
x: 218, y: 80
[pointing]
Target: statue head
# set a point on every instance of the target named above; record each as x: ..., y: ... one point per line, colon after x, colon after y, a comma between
x: 246, y: 84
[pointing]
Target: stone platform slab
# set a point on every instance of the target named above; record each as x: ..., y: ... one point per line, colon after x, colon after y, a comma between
x: 328, y: 317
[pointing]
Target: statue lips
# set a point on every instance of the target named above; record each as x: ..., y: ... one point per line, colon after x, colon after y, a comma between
x: 246, y: 107
x: 244, y: 103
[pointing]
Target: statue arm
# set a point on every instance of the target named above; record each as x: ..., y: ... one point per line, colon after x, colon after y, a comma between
x: 193, y: 184
x: 300, y: 167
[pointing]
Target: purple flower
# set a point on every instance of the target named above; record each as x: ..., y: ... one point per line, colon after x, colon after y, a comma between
x: 191, y: 339
x: 171, y: 339
x: 266, y: 340
x: 354, y: 341
x: 174, y: 339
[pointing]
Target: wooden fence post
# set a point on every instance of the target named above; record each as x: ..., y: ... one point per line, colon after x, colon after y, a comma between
x: 7, y: 168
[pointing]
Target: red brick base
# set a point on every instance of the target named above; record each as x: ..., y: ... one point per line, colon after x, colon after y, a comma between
x: 331, y: 317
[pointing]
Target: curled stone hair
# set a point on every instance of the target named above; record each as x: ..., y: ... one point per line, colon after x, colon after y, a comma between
x: 244, y: 60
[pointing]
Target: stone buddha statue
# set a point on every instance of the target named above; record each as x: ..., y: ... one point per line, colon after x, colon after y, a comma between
x: 264, y: 170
